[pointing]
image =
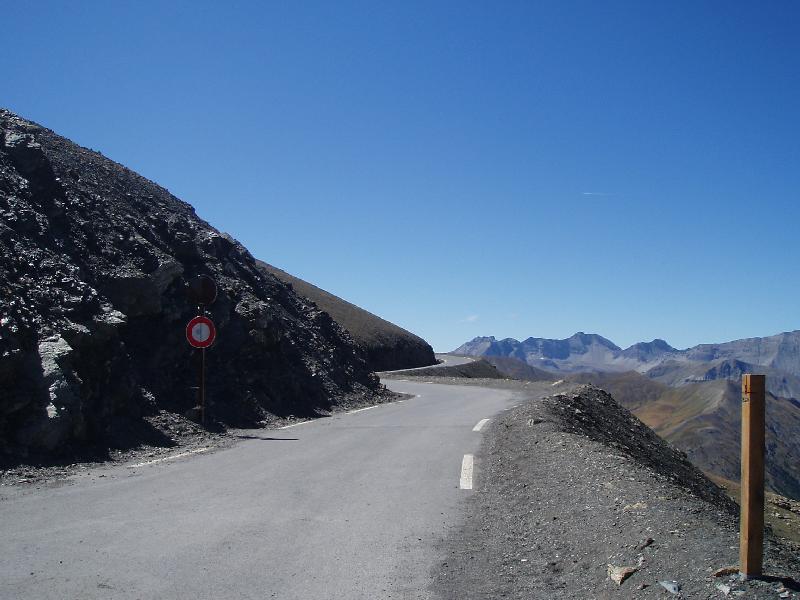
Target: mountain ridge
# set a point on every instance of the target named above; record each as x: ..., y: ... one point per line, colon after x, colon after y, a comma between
x: 386, y: 346
x: 779, y: 353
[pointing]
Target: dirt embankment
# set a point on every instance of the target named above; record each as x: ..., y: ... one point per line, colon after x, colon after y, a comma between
x: 572, y: 490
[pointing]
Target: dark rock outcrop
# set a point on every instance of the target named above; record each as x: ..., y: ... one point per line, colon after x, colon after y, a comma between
x: 95, y: 261
x: 386, y: 346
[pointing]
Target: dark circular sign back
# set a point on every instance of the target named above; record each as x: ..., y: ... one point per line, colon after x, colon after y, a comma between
x: 202, y: 290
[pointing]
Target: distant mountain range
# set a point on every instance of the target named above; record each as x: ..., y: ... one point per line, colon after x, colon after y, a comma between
x: 777, y: 356
x: 690, y: 397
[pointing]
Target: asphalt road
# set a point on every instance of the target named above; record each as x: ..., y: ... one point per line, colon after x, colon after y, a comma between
x: 451, y: 360
x: 348, y: 507
x: 445, y: 360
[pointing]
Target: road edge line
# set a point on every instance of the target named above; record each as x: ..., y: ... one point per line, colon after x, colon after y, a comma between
x: 480, y: 424
x: 467, y: 469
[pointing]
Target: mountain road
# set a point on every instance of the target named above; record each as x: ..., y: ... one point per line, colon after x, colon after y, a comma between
x: 349, y: 506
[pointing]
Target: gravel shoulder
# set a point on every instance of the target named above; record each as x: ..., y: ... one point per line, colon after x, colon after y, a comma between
x: 571, y: 488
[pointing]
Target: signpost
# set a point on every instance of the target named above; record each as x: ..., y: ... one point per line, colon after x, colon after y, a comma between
x: 200, y: 331
x: 751, y: 520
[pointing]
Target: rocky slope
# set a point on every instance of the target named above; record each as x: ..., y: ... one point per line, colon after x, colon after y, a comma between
x: 386, y: 346
x: 704, y: 420
x: 575, y: 498
x: 94, y: 261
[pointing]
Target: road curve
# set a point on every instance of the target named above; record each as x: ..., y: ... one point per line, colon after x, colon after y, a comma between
x: 345, y: 507
x: 445, y: 360
x: 452, y: 360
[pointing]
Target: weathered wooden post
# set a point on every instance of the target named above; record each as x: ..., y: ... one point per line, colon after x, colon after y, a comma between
x: 751, y: 520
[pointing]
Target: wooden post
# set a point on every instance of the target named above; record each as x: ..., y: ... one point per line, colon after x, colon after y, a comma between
x: 751, y: 520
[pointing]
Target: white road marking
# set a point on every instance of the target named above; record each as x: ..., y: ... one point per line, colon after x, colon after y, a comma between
x: 350, y: 412
x: 480, y: 424
x: 295, y: 424
x: 466, y: 472
x: 166, y: 458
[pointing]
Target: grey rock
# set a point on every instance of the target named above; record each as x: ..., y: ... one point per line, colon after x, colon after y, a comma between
x: 673, y: 587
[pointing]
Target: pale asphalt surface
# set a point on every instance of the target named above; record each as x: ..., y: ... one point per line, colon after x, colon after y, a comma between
x: 349, y: 507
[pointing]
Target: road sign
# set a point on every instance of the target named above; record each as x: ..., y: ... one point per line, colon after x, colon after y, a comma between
x: 202, y: 290
x: 200, y: 332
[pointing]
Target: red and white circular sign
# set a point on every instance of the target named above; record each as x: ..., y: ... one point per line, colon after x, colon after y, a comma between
x: 201, y: 332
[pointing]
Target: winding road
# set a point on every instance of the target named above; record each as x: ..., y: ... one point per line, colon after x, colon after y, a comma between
x: 345, y: 507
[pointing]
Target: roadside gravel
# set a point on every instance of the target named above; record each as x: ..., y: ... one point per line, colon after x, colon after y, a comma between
x: 572, y: 489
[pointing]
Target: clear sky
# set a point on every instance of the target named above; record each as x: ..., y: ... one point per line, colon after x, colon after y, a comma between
x: 496, y: 168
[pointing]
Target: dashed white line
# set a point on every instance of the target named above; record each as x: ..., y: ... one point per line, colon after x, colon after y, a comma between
x: 480, y: 424
x: 466, y: 472
x: 166, y: 458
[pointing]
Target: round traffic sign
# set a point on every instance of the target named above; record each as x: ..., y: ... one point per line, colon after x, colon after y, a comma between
x: 200, y: 332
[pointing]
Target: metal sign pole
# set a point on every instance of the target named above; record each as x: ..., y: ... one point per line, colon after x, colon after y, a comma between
x: 200, y: 331
x: 201, y: 310
x: 751, y: 520
x: 203, y: 386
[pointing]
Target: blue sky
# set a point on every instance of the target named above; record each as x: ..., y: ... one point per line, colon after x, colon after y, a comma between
x: 462, y: 169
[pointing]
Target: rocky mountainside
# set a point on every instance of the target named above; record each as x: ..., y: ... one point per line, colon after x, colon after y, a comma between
x: 777, y: 356
x: 386, y: 346
x: 94, y: 265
